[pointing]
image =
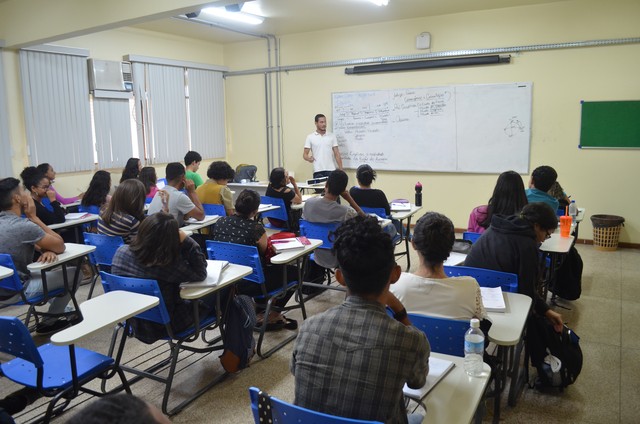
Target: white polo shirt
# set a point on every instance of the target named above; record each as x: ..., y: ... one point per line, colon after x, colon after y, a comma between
x: 322, y: 148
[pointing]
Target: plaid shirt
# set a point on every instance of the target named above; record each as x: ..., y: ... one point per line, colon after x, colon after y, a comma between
x: 353, y: 360
x: 191, y: 266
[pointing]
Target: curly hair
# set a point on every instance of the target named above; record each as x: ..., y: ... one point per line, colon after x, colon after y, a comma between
x: 31, y: 177
x: 220, y: 170
x: 433, y: 238
x: 365, y: 255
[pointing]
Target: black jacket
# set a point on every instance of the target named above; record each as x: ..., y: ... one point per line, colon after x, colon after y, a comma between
x: 509, y: 245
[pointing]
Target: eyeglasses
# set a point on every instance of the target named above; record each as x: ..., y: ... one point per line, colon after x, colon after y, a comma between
x: 44, y: 187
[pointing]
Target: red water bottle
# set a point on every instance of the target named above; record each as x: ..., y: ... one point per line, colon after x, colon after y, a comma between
x: 418, y: 194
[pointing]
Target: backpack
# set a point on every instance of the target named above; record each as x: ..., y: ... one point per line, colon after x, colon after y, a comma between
x: 271, y: 252
x: 569, y: 276
x: 245, y: 171
x: 556, y: 356
x: 239, y: 345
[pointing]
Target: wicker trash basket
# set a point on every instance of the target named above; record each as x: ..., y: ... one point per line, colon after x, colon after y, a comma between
x: 606, y: 231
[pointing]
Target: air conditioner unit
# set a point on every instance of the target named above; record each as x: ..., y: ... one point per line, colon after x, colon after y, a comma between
x: 110, y: 75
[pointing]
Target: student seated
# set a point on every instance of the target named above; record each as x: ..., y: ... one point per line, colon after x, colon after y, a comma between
x: 20, y: 238
x: 558, y: 193
x: 511, y: 243
x: 326, y: 209
x: 192, y: 163
x: 131, y: 169
x: 242, y: 228
x: 125, y: 211
x: 163, y: 253
x: 50, y: 173
x: 215, y: 190
x: 368, y: 197
x: 122, y: 408
x: 180, y: 205
x: 149, y: 178
x: 278, y: 180
x: 353, y: 360
x: 98, y: 192
x: 48, y: 209
x: 429, y: 290
x: 542, y: 178
x: 508, y: 198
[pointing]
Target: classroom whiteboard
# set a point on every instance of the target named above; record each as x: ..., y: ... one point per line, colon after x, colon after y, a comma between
x: 459, y: 128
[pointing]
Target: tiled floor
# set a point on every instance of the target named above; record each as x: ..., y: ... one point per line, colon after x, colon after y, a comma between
x: 607, y: 391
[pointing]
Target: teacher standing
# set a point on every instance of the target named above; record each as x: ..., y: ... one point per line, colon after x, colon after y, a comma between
x: 321, y: 149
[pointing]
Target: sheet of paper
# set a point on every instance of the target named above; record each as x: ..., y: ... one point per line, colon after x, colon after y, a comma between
x: 438, y: 368
x: 493, y: 299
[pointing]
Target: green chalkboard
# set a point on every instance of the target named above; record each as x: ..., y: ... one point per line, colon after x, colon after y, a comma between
x: 610, y: 125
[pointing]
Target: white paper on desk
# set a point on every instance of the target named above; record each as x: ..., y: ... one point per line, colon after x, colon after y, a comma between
x: 214, y: 271
x: 455, y: 258
x: 400, y: 206
x: 438, y: 368
x: 75, y: 215
x: 192, y: 220
x: 492, y: 299
x: 282, y: 245
x: 262, y: 207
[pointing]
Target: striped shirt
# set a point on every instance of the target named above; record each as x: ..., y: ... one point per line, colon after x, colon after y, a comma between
x: 122, y: 224
x: 353, y: 360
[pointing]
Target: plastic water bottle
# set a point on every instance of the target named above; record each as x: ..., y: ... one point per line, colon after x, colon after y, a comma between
x: 573, y: 210
x: 418, y: 194
x: 473, y: 349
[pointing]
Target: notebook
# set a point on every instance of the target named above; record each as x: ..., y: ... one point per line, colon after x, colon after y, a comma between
x: 282, y: 245
x: 492, y: 299
x: 214, y: 271
x: 398, y: 206
x: 438, y: 368
x: 76, y: 215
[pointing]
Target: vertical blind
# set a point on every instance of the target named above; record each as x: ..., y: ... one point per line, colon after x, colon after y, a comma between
x: 112, y: 122
x: 55, y: 90
x: 206, y: 113
x: 6, y: 170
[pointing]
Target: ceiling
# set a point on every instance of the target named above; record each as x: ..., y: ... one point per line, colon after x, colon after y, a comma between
x: 295, y: 16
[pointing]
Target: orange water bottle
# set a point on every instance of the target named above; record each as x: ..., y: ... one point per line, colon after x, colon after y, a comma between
x: 565, y: 224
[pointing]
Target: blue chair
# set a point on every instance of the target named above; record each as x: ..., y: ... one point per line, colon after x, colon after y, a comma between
x: 378, y: 211
x: 241, y: 254
x: 445, y: 335
x: 280, y: 213
x: 472, y: 237
x: 324, y: 232
x: 177, y: 342
x: 13, y: 283
x: 92, y: 226
x: 486, y: 277
x: 211, y: 209
x: 284, y: 413
x: 101, y: 258
x: 59, y: 372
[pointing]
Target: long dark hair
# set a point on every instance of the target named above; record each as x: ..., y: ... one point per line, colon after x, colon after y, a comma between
x: 148, y: 177
x: 276, y: 178
x: 508, y: 197
x: 131, y: 169
x: 158, y: 241
x: 99, y: 188
x: 128, y: 198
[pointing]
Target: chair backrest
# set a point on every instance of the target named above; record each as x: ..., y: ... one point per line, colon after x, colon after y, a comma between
x: 378, y: 211
x: 12, y: 282
x: 158, y: 314
x: 161, y: 183
x: 89, y: 209
x: 15, y: 340
x: 148, y: 200
x: 284, y: 413
x: 280, y: 213
x: 472, y: 237
x: 238, y: 254
x: 320, y: 231
x: 211, y: 209
x: 445, y: 335
x: 486, y: 277
x: 106, y: 247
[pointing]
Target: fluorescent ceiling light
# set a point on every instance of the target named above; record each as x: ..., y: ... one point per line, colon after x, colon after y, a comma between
x: 220, y: 12
x: 380, y: 2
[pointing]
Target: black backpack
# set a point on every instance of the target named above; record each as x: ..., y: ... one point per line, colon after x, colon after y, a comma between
x: 564, y: 346
x: 245, y: 171
x: 239, y: 344
x: 569, y: 276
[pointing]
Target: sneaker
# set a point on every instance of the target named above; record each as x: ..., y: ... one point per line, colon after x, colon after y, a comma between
x: 44, y: 329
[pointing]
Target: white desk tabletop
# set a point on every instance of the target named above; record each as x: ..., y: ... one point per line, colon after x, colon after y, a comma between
x: 455, y: 398
x: 230, y: 275
x: 557, y: 244
x: 70, y: 205
x: 5, y: 272
x: 72, y: 251
x: 507, y: 327
x: 292, y: 255
x: 91, y: 217
x: 305, y: 185
x: 198, y: 225
x: 455, y: 259
x: 104, y: 311
x: 400, y: 215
